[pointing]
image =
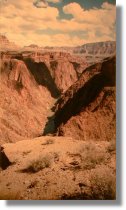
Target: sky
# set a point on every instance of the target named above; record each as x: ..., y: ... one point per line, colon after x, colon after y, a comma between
x: 58, y: 22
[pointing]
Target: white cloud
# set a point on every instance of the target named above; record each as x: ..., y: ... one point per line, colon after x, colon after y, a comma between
x: 23, y: 22
x: 95, y: 21
x: 105, y: 15
x: 73, y: 9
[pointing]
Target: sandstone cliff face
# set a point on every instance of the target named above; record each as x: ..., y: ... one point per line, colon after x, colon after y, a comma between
x: 63, y: 68
x: 87, y: 109
x: 64, y: 74
x: 24, y: 103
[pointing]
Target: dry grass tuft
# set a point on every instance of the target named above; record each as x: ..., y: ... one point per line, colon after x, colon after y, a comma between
x: 103, y: 184
x: 91, y: 155
x: 39, y: 164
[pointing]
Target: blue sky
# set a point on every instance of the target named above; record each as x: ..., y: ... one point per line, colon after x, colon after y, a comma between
x: 58, y: 22
x: 87, y: 4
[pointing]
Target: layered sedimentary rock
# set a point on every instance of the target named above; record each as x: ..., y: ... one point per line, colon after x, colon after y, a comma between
x: 98, y: 48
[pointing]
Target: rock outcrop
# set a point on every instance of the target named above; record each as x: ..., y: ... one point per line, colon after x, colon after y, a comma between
x: 64, y: 68
x: 64, y: 74
x: 87, y: 109
x: 5, y: 44
x: 24, y: 102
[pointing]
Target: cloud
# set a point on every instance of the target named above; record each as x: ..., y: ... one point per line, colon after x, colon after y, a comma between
x: 26, y: 24
x: 2, y: 1
x: 40, y: 4
x: 105, y: 15
x: 98, y: 22
x: 73, y: 9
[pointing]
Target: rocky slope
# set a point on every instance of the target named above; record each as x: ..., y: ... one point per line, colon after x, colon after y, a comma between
x: 57, y: 168
x: 87, y: 109
x: 59, y: 66
x: 24, y: 102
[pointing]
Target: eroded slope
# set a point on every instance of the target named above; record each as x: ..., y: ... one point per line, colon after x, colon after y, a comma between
x: 87, y: 109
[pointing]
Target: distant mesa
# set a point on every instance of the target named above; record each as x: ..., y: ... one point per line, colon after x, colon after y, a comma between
x: 5, y: 44
x: 91, y: 51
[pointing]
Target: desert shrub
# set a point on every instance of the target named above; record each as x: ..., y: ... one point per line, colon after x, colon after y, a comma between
x: 112, y: 146
x: 91, y: 154
x: 39, y: 164
x: 103, y: 184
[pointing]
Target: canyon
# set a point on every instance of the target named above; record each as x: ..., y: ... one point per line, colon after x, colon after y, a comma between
x: 57, y: 120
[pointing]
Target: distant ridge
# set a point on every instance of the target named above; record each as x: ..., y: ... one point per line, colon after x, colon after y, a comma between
x: 5, y: 44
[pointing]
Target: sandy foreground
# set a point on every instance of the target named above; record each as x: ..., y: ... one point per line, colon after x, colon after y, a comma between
x: 49, y: 168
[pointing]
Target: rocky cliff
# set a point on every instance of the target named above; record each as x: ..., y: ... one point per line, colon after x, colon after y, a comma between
x: 24, y: 102
x: 30, y: 83
x: 87, y: 109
